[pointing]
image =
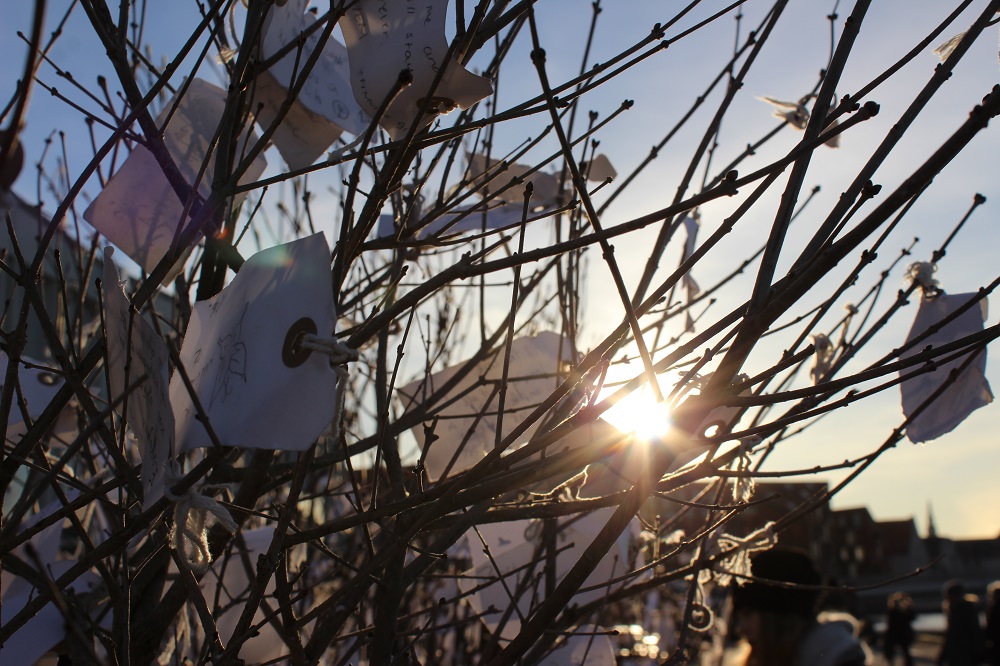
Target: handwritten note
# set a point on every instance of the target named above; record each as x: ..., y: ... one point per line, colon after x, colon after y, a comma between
x: 325, y: 105
x: 301, y: 136
x: 136, y: 353
x: 235, y: 347
x: 138, y: 210
x: 463, y: 437
x: 385, y: 38
x: 968, y: 392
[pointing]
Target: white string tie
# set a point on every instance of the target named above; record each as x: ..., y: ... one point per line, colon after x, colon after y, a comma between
x: 744, y: 486
x: 340, y: 355
x: 922, y: 273
x: 189, y: 534
x: 822, y: 357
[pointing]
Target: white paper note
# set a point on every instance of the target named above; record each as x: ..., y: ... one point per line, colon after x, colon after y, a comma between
x: 147, y: 408
x: 601, y: 169
x: 385, y: 38
x: 38, y: 388
x: 302, y: 136
x: 233, y: 592
x: 47, y: 628
x: 533, y: 376
x: 138, y: 210
x: 236, y: 353
x: 327, y: 90
x: 968, y: 392
x: 524, y: 546
x: 546, y: 187
x: 496, y: 217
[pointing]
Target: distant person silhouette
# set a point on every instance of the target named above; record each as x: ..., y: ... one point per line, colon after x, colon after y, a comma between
x: 964, y: 642
x: 780, y: 623
x: 993, y: 623
x: 899, y: 627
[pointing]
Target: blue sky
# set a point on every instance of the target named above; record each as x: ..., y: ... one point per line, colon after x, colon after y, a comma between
x: 958, y: 473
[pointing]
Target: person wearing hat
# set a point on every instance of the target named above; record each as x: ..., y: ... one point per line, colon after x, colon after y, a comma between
x: 775, y: 612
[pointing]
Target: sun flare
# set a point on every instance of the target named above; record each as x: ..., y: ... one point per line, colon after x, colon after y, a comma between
x: 641, y: 414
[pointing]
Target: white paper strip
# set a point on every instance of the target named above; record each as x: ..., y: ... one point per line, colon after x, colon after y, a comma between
x: 327, y: 90
x: 147, y: 408
x: 533, y: 375
x: 385, y: 38
x: 968, y: 392
x: 240, y: 353
x: 138, y: 210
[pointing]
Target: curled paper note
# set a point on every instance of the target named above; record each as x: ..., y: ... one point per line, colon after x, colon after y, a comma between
x: 136, y: 354
x: 325, y: 105
x: 467, y: 424
x: 794, y: 113
x: 327, y: 89
x: 691, y: 226
x: 500, y: 174
x: 518, y: 558
x: 138, y: 210
x: 257, y: 385
x: 386, y: 38
x: 302, y: 136
x: 968, y: 392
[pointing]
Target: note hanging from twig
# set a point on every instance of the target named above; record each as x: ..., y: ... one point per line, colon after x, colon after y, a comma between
x: 228, y: 583
x: 257, y: 386
x: 517, y: 555
x: 325, y: 105
x: 302, y: 136
x: 545, y: 187
x: 386, y: 38
x: 600, y: 168
x: 38, y: 386
x: 139, y: 377
x: 534, y: 373
x: 467, y: 424
x: 327, y: 89
x: 138, y: 210
x: 461, y: 220
x: 968, y: 392
x: 46, y: 628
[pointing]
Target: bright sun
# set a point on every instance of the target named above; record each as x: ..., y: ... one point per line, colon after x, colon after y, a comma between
x: 639, y: 412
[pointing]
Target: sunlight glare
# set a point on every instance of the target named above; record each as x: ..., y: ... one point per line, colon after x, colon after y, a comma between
x: 641, y: 414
